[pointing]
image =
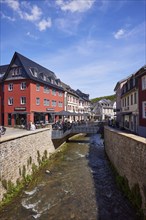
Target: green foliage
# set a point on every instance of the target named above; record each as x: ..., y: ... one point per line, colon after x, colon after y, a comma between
x: 39, y: 157
x: 110, y: 97
x: 132, y: 194
x: 34, y: 168
x: 12, y: 191
x: 24, y: 171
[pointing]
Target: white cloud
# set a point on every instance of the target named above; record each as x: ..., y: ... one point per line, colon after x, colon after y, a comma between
x: 136, y: 31
x: 14, y: 4
x: 119, y: 34
x: 31, y: 35
x: 7, y: 17
x: 33, y: 16
x: 28, y: 12
x: 44, y: 24
x: 74, y: 5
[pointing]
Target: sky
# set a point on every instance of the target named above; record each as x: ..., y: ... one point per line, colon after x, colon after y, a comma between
x: 89, y: 44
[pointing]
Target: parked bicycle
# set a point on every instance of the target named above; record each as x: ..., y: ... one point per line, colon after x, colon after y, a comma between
x: 2, y: 130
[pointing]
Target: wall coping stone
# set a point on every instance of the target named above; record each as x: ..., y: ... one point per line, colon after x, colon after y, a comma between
x: 21, y: 134
x: 129, y: 135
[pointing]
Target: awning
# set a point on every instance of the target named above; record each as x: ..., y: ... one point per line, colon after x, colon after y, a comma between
x: 20, y: 113
x: 63, y: 113
x: 126, y: 113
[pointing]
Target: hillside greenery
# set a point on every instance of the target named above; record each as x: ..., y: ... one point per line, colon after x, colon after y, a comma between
x: 110, y: 97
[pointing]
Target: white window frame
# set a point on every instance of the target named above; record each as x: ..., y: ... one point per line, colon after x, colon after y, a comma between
x: 60, y: 94
x: 10, y: 101
x: 37, y: 101
x: 54, y: 103
x: 54, y: 92
x: 37, y: 87
x: 60, y: 104
x: 46, y: 102
x: 46, y: 89
x: 144, y: 109
x: 10, y: 87
x: 23, y: 85
x: 22, y: 100
x: 143, y: 79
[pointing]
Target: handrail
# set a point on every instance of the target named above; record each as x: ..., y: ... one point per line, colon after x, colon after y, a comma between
x: 58, y: 134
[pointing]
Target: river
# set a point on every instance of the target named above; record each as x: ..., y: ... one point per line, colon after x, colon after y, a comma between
x: 76, y: 184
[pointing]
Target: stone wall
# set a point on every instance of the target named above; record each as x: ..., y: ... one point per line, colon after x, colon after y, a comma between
x: 127, y: 152
x: 19, y: 154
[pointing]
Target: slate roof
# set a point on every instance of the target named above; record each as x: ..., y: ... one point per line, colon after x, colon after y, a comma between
x: 3, y: 70
x: 82, y: 95
x: 69, y: 89
x: 27, y: 64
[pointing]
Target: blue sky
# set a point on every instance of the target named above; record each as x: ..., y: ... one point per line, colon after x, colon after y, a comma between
x: 89, y: 44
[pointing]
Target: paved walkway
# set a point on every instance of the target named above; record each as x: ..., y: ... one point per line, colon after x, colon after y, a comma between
x: 15, y: 133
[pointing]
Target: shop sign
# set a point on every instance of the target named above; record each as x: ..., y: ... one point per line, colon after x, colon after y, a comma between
x: 20, y: 109
x: 50, y: 109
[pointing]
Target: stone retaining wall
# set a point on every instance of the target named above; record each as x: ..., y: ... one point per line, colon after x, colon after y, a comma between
x: 19, y: 154
x: 127, y: 152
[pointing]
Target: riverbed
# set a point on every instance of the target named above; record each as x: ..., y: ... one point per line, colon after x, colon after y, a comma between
x: 77, y: 183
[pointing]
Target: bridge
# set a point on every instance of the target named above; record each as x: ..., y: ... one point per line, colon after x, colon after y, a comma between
x: 88, y: 129
x: 59, y: 136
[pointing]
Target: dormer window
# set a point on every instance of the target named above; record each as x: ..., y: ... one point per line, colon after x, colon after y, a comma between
x: 45, y: 78
x: 17, y: 71
x: 34, y: 71
x: 52, y: 81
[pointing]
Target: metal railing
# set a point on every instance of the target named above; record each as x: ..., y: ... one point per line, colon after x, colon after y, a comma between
x: 89, y: 129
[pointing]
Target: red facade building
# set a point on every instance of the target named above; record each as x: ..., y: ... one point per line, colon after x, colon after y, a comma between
x: 29, y: 92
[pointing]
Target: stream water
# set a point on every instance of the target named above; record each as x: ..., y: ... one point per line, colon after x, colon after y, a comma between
x: 77, y: 184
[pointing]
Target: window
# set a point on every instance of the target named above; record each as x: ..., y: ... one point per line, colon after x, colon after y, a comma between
x: 60, y: 104
x: 123, y: 102
x: 53, y: 103
x: 46, y: 102
x: 53, y: 91
x: 23, y: 86
x: 46, y: 89
x: 10, y: 101
x: 37, y: 101
x: 144, y: 109
x: 135, y: 98
x: 143, y: 82
x: 17, y: 71
x: 37, y: 87
x: 34, y: 71
x: 128, y: 84
x: 132, y: 99
x: 23, y: 100
x: 60, y: 94
x: 10, y: 87
x: 133, y: 82
x: 128, y: 100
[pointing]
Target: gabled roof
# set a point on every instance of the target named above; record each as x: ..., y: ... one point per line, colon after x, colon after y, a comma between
x: 141, y: 71
x: 82, y: 95
x: 69, y: 89
x: 3, y: 70
x: 27, y: 64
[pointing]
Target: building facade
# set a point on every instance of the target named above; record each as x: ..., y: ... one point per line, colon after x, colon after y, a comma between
x: 104, y: 110
x: 131, y: 102
x: 30, y: 93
